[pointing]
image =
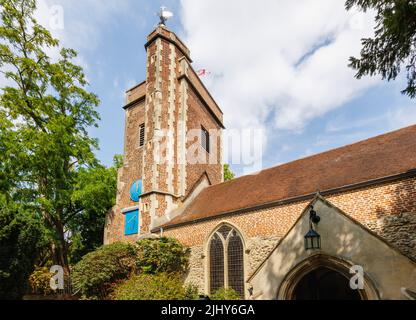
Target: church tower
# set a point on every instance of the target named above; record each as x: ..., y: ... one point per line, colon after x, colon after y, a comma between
x: 173, y: 142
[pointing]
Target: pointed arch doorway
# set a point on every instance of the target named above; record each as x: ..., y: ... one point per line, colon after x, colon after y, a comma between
x: 323, y: 278
x: 324, y: 284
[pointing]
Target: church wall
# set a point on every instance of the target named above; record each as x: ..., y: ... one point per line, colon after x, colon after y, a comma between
x: 344, y: 244
x: 388, y: 209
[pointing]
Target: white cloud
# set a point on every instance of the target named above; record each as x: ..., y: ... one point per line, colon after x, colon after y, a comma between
x: 83, y: 20
x: 282, y: 59
x: 343, y: 124
x: 80, y: 25
x: 402, y: 116
x: 399, y: 116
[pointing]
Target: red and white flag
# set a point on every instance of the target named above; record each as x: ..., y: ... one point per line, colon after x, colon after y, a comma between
x: 203, y: 73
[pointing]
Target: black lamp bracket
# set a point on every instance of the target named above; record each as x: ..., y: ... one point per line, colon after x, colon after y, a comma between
x: 313, y: 216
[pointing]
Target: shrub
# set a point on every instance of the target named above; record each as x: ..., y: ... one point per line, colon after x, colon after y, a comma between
x: 225, y: 294
x: 39, y: 281
x: 160, y: 286
x: 162, y: 255
x: 95, y: 274
x: 21, y: 240
x: 191, y: 292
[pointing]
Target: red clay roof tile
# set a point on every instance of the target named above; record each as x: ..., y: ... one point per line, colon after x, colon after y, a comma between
x: 385, y: 155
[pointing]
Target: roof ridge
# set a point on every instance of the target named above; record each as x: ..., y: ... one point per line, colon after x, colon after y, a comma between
x: 316, y: 155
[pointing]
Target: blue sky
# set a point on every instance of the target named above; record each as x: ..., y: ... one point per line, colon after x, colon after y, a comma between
x: 274, y: 65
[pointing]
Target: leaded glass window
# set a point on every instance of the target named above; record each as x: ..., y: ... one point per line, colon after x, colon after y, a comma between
x: 216, y: 263
x: 226, y: 254
x: 236, y: 263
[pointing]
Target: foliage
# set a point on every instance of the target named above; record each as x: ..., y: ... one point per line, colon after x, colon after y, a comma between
x: 225, y: 294
x: 94, y: 275
x: 393, y: 45
x: 48, y: 163
x: 191, y: 292
x: 94, y: 193
x: 162, y: 255
x: 160, y: 286
x: 39, y: 281
x: 118, y: 161
x: 228, y: 174
x: 21, y: 238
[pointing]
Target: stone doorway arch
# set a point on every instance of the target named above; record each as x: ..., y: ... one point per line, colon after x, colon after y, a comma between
x: 316, y: 273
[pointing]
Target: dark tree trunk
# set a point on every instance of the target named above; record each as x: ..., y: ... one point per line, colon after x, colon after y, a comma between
x: 60, y: 249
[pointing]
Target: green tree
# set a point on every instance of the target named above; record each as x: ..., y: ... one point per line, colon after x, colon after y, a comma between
x: 394, y: 44
x: 228, y: 174
x: 94, y: 193
x: 21, y: 239
x: 48, y: 110
x: 21, y: 232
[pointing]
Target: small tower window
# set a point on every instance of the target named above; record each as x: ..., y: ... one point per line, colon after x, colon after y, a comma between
x: 141, y: 135
x: 205, y: 139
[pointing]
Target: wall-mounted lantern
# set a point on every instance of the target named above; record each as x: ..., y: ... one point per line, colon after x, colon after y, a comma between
x: 312, y: 238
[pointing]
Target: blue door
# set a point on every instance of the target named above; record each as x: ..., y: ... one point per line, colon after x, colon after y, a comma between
x: 131, y: 223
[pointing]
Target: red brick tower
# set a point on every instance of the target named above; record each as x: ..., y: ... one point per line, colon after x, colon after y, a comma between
x: 172, y: 141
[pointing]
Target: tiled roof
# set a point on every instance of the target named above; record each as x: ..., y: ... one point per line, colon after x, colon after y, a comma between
x: 385, y: 155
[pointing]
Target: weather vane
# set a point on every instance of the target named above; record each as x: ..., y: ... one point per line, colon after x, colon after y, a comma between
x: 164, y: 15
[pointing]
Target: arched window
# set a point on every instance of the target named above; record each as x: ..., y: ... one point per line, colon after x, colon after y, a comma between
x: 226, y: 254
x: 216, y: 263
